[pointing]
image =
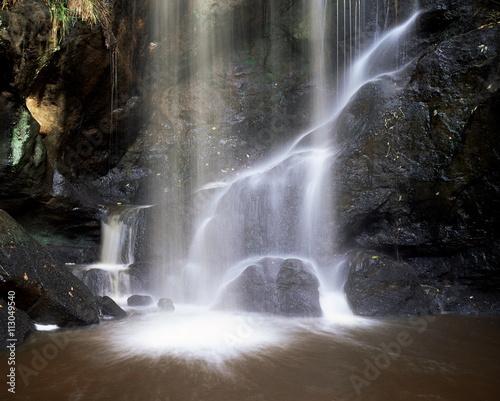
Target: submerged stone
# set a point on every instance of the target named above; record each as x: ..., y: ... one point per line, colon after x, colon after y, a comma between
x: 108, y: 307
x: 139, y: 300
x: 166, y: 304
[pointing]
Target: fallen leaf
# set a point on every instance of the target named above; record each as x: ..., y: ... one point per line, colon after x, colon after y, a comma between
x: 25, y: 276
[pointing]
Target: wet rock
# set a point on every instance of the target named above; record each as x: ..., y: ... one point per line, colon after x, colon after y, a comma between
x: 139, y: 300
x: 272, y: 285
x: 108, y: 307
x: 297, y: 287
x: 84, y: 253
x: 417, y: 174
x: 23, y: 324
x: 378, y: 285
x: 23, y: 161
x: 415, y: 167
x: 466, y: 282
x: 98, y: 281
x: 46, y: 291
x: 166, y: 305
x: 254, y: 290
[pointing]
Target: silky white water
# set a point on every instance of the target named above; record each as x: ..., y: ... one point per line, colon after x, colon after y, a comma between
x: 110, y: 275
x: 280, y: 206
x: 197, y: 333
x: 283, y: 206
x: 196, y: 353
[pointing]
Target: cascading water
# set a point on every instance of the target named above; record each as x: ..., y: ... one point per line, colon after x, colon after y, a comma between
x: 110, y: 276
x: 283, y: 207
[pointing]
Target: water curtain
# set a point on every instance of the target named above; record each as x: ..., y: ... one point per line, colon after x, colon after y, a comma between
x: 284, y: 205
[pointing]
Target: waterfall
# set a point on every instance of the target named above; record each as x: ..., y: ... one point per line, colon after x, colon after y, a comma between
x: 110, y: 275
x: 283, y: 206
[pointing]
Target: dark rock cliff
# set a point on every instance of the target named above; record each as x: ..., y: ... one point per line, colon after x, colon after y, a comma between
x: 83, y: 122
x: 70, y: 111
x: 420, y: 178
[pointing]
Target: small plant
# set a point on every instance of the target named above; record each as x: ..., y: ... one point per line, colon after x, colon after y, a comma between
x: 61, y: 17
x: 66, y: 12
x: 6, y: 3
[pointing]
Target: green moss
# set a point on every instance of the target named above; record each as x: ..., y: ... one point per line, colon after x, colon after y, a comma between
x: 20, y: 135
x: 89, y: 11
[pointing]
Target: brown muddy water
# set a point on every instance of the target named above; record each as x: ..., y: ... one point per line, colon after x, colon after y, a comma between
x: 200, y: 355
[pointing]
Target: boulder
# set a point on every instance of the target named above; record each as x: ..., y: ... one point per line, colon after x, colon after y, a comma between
x: 108, y: 307
x: 139, y: 300
x: 166, y: 305
x: 378, y: 285
x: 46, y: 291
x: 272, y: 285
x: 297, y: 290
x: 254, y: 290
x: 98, y: 281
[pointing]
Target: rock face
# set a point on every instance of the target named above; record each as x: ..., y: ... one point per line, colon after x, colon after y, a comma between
x: 282, y: 287
x: 60, y: 139
x: 417, y: 176
x: 378, y: 285
x: 83, y: 122
x: 23, y: 160
x: 467, y: 282
x: 46, y: 291
x: 416, y: 165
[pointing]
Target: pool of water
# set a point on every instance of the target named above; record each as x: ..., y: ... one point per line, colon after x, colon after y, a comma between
x: 196, y: 354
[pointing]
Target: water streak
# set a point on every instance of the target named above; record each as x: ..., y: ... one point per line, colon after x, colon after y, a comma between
x: 110, y: 275
x: 285, y: 205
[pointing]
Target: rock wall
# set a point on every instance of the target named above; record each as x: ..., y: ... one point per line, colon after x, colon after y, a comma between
x: 419, y: 153
x: 82, y: 124
x: 70, y: 114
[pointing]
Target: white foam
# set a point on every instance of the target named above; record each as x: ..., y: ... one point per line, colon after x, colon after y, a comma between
x: 46, y: 327
x: 194, y: 332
